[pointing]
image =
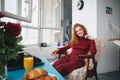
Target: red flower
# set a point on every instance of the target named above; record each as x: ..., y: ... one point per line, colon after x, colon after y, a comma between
x: 13, y: 28
x: 2, y: 15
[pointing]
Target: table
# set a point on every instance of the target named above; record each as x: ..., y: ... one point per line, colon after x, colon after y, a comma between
x: 117, y: 42
x: 19, y: 74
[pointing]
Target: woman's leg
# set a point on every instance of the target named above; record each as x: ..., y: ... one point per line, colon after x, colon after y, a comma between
x: 61, y: 60
x: 67, y: 68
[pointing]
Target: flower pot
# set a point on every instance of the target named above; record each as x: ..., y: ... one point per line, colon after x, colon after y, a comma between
x: 3, y: 67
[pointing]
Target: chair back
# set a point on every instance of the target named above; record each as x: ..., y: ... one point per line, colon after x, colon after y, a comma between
x: 99, y: 46
x: 92, y: 70
x: 83, y: 72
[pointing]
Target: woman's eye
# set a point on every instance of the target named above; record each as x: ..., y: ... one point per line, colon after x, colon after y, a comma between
x: 80, y: 29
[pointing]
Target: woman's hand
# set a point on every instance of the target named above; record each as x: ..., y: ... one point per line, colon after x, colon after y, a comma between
x: 89, y: 37
x: 55, y: 52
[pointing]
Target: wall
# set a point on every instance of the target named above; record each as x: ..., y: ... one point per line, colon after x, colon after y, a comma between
x: 86, y: 16
x: 94, y: 17
x: 67, y: 20
x: 68, y: 9
x: 110, y: 58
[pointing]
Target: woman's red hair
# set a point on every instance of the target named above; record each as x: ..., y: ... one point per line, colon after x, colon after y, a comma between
x: 75, y: 38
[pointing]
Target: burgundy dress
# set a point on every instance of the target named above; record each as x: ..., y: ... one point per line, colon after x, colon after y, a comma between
x: 68, y: 63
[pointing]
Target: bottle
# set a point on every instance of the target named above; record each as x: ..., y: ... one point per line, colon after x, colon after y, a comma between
x: 58, y: 44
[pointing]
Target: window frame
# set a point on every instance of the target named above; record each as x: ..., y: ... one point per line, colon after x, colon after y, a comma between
x: 14, y: 16
x: 52, y: 28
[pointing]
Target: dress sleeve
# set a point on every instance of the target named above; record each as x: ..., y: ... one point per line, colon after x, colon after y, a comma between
x: 92, y: 47
x: 64, y: 48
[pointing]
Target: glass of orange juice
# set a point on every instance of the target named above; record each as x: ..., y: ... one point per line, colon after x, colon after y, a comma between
x: 28, y: 62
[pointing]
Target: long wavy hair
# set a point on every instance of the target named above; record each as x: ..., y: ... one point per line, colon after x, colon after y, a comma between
x: 75, y: 38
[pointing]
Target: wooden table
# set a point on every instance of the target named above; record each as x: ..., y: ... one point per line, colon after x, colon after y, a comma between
x: 19, y: 74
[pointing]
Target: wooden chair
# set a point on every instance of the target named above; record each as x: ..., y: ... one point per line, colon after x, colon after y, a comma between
x: 90, y: 61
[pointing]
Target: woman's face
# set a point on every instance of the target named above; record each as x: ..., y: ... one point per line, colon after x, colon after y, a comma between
x: 79, y: 31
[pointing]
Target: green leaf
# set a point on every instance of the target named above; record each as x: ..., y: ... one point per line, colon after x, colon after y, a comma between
x: 12, y: 56
x: 18, y: 39
x: 2, y: 51
x: 9, y: 44
x: 1, y: 36
x: 10, y: 40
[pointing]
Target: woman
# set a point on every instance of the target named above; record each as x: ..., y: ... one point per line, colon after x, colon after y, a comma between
x: 80, y: 43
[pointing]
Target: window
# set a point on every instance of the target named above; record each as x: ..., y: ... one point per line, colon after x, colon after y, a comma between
x: 51, y: 21
x: 20, y: 9
x: 30, y: 36
x: 45, y: 23
x: 30, y: 31
x: 51, y: 36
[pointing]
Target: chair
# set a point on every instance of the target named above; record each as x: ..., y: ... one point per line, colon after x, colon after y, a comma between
x: 90, y: 68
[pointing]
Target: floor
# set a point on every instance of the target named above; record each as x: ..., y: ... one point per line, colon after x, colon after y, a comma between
x: 115, y: 75
x: 108, y: 76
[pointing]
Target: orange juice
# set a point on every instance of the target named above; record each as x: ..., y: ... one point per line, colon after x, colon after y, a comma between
x: 28, y: 63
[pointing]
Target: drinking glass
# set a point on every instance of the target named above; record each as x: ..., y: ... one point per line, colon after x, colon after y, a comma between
x: 28, y: 62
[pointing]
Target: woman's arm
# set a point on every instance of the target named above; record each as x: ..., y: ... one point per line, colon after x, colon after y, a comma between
x: 92, y: 47
x: 92, y: 44
x: 62, y: 49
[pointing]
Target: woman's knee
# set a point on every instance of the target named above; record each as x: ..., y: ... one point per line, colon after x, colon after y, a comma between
x: 61, y: 70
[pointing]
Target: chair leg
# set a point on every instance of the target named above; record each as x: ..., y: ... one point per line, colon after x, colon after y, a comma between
x: 96, y: 76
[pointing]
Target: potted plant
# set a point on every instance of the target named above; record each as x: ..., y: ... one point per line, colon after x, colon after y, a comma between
x: 9, y: 42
